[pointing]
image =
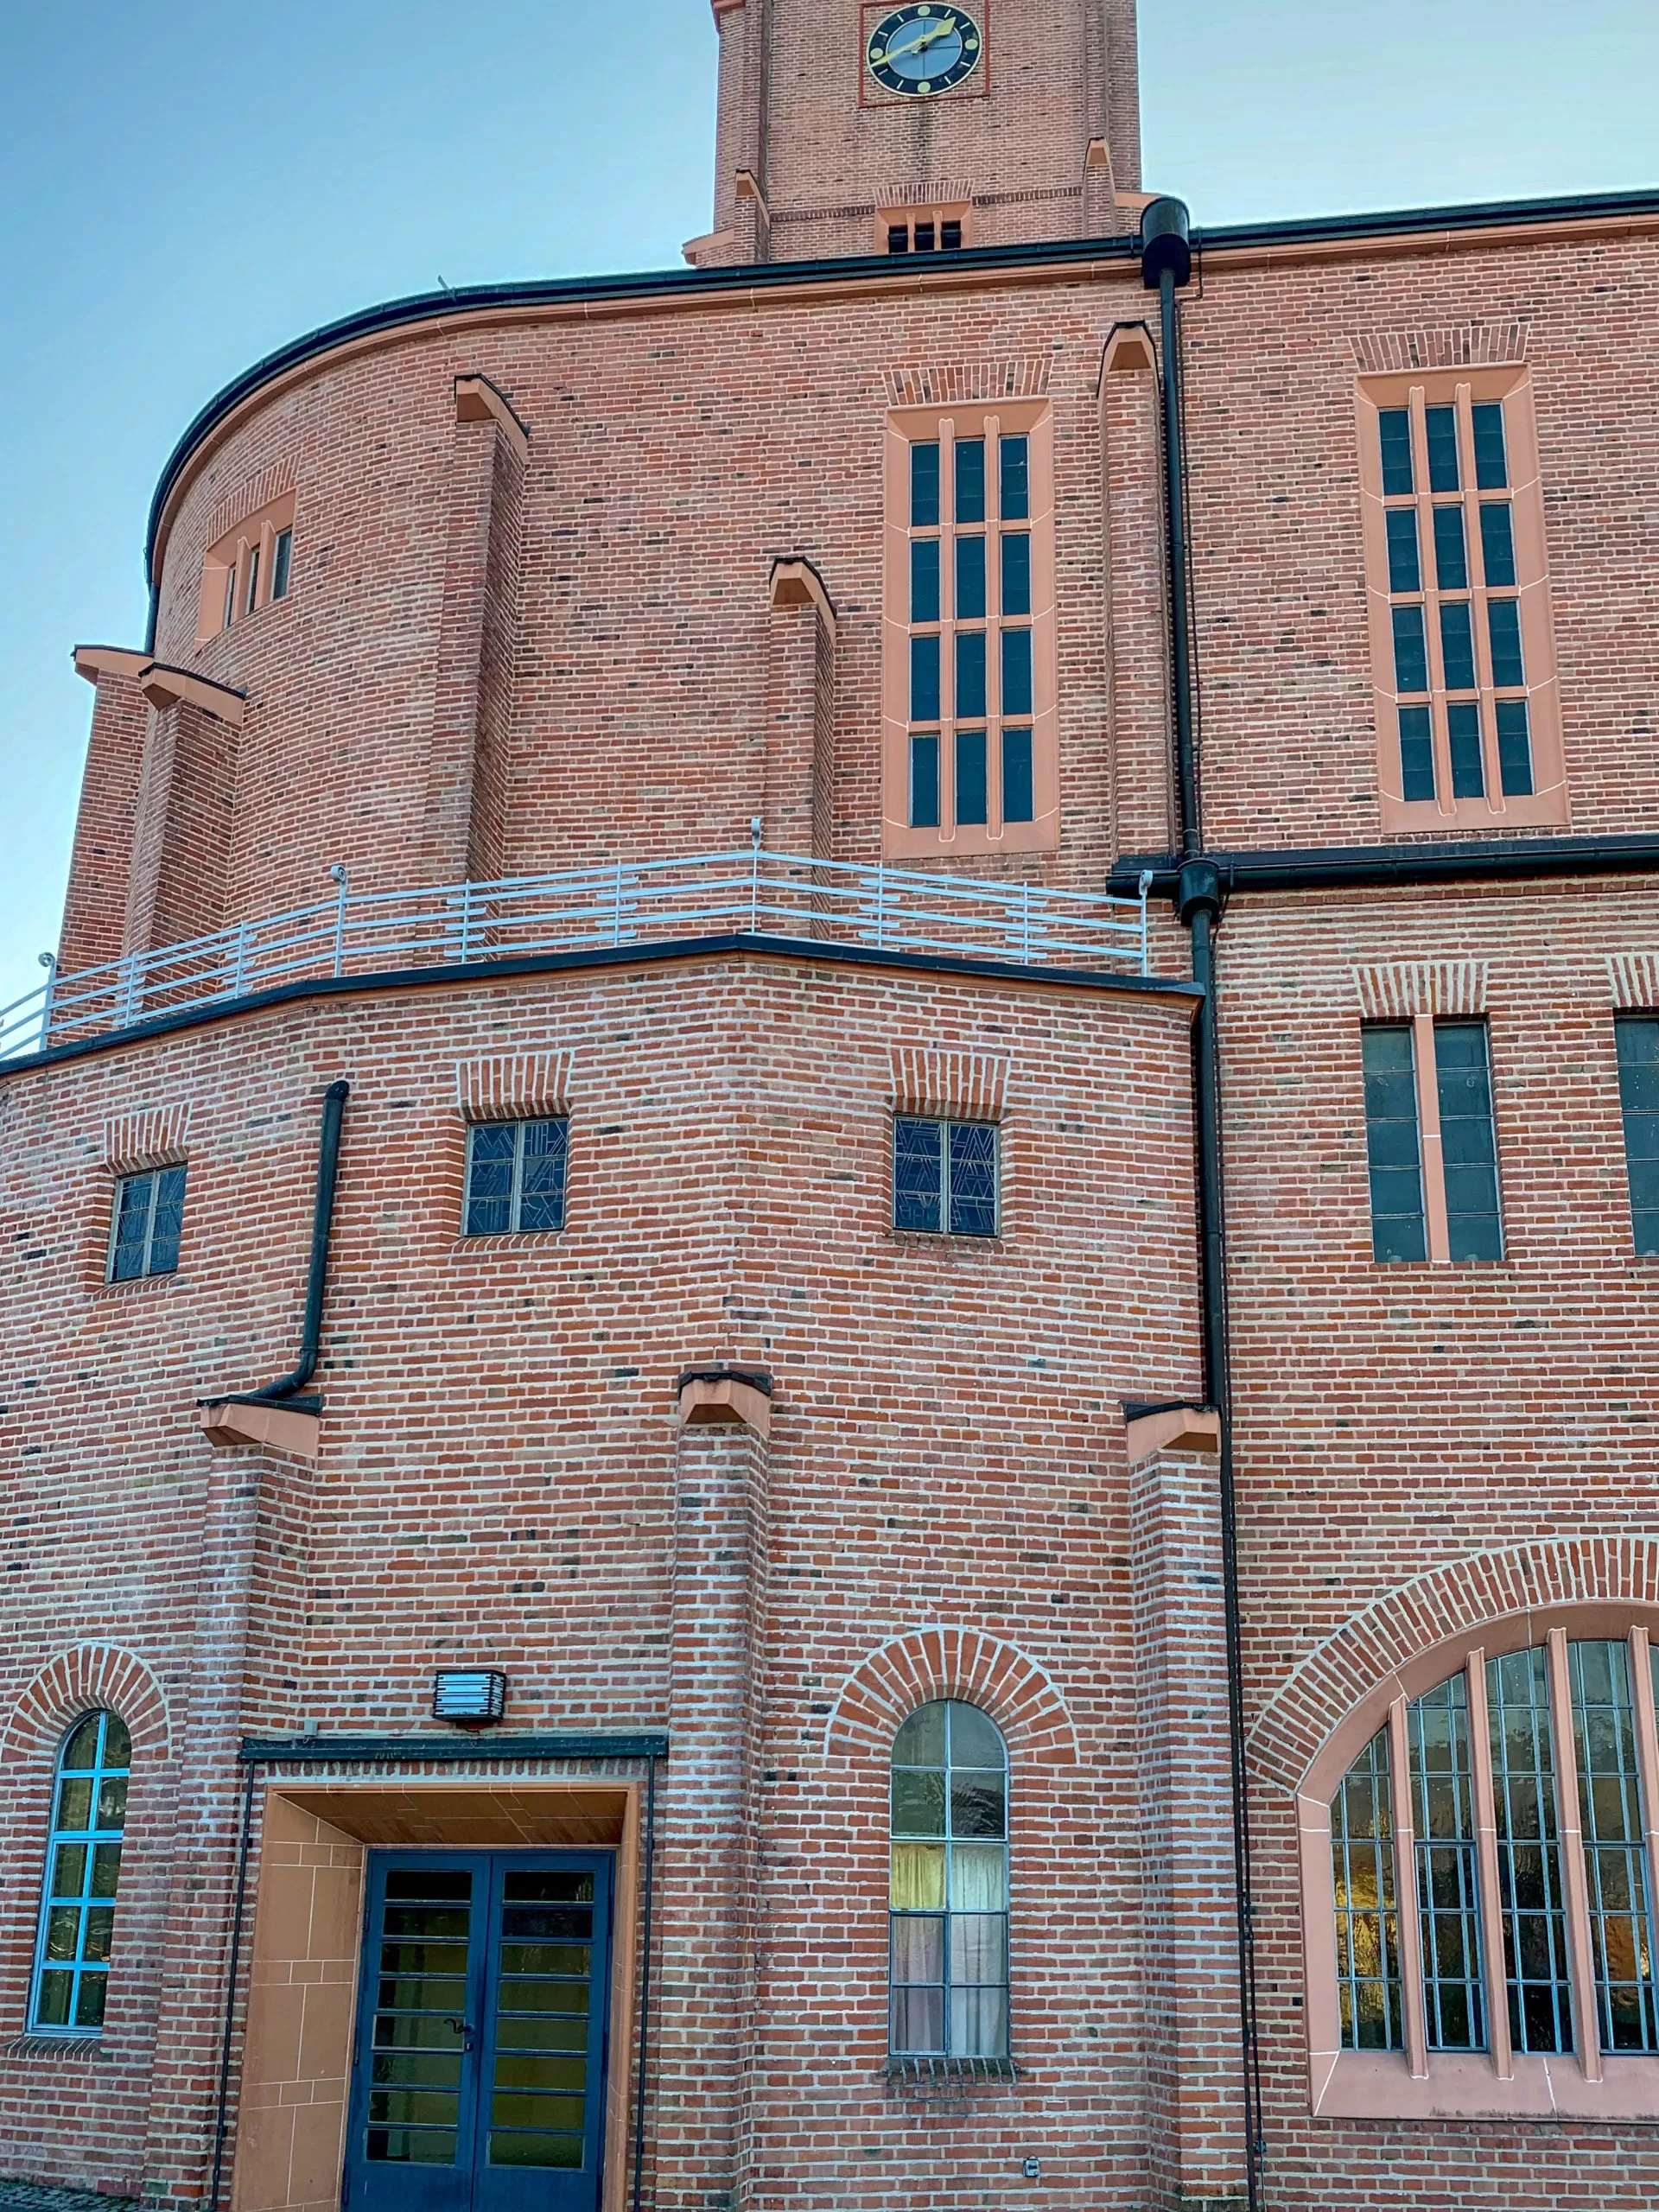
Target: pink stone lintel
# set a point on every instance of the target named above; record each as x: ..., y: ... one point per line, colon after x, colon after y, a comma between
x: 1173, y: 1428
x: 797, y: 583
x: 478, y: 400
x: 278, y: 1428
x: 711, y: 1397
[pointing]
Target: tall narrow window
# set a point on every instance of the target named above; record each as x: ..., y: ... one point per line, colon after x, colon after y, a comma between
x: 948, y: 1900
x: 1431, y: 1141
x: 1638, y: 1087
x: 1368, y: 1921
x: 282, y: 556
x: 969, y: 683
x: 89, y: 1814
x: 944, y: 1176
x: 1467, y: 719
x: 1616, y: 1869
x: 1443, y: 1825
x: 515, y: 1176
x: 147, y: 1220
x: 1529, y: 1852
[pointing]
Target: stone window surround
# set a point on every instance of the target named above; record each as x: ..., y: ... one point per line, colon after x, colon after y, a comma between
x: 1492, y: 2084
x: 256, y: 533
x: 989, y: 419
x: 1547, y: 804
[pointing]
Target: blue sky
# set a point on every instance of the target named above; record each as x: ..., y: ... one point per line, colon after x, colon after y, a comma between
x: 184, y: 186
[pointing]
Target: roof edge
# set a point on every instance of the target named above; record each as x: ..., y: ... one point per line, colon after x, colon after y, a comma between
x: 421, y: 307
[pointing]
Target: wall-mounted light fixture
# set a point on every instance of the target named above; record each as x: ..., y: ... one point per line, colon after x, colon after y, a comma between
x: 471, y: 1697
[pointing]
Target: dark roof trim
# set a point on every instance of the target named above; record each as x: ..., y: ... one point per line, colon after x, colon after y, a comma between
x: 1348, y: 867
x: 618, y: 955
x: 441, y: 1750
x: 567, y: 291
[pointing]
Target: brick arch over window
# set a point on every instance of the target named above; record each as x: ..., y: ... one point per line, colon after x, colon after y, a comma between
x: 950, y: 1663
x: 87, y: 1677
x: 1392, y: 1638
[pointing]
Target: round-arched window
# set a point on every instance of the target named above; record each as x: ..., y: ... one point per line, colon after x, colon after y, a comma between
x: 89, y: 1814
x: 948, y: 1900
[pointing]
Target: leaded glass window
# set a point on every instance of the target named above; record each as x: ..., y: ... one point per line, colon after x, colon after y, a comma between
x: 1529, y: 1852
x: 1368, y: 1922
x: 515, y: 1176
x: 1615, y: 1871
x: 1443, y: 1826
x: 148, y: 1216
x: 944, y: 1176
x: 83, y: 1865
x: 948, y: 1919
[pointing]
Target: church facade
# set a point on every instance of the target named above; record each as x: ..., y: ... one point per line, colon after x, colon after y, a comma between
x: 828, y: 1344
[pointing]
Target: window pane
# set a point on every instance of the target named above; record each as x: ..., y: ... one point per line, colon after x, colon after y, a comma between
x: 921, y: 1741
x: 1503, y: 620
x: 1615, y: 1859
x: 919, y: 1949
x: 970, y: 775
x: 918, y: 1800
x: 490, y: 1149
x: 918, y: 1877
x: 1368, y: 1936
x: 1443, y: 1808
x: 541, y: 1204
x: 1016, y: 572
x: 1529, y: 1870
x: 971, y: 674
x: 970, y: 579
x: 924, y: 238
x: 1394, y: 427
x: 979, y: 1877
x: 1457, y: 645
x: 167, y: 1222
x: 1514, y: 747
x: 253, y: 578
x: 898, y: 238
x: 135, y: 1195
x: 1491, y: 468
x: 1468, y: 1142
x: 1017, y: 802
x: 917, y: 2020
x: 1463, y: 743
x: 973, y: 1180
x: 1450, y: 552
x: 1416, y: 754
x: 281, y: 560
x: 924, y: 579
x: 925, y: 678
x: 1442, y: 425
x: 1638, y: 1084
x: 1014, y: 503
x: 230, y: 598
x: 918, y: 1175
x: 924, y: 487
x: 1497, y: 542
x: 923, y: 783
x: 975, y: 1740
x: 77, y: 1923
x: 1397, y: 1231
x: 1410, y: 649
x: 978, y: 1804
x: 970, y: 481
x: 1016, y: 672
x: 1405, y: 569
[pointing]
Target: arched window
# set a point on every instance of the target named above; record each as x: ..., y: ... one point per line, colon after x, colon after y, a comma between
x: 948, y: 1920
x: 89, y: 1812
x: 1491, y: 1863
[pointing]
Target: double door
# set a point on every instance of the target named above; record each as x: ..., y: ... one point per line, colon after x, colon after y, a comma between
x: 479, y: 2080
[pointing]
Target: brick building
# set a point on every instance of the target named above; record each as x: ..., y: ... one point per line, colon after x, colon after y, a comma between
x: 909, y: 984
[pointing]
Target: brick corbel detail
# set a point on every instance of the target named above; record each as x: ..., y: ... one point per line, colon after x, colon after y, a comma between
x: 797, y: 807
x: 464, y: 825
x: 940, y: 1662
x: 100, y: 870
x: 1134, y: 603
x: 708, y: 1879
x: 164, y: 686
x: 231, y: 1426
x: 1183, y: 1780
x: 726, y: 1396
x: 1171, y: 1430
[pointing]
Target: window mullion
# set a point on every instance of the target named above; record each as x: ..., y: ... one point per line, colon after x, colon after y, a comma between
x: 1407, y: 1915
x: 1581, y: 1964
x: 992, y: 626
x: 1428, y: 1120
x: 1494, y: 1980
x: 516, y: 1202
x: 944, y: 1177
x: 947, y: 628
x: 155, y: 1187
x: 1439, y: 733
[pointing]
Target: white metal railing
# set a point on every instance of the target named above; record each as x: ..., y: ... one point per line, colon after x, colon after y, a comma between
x: 755, y: 893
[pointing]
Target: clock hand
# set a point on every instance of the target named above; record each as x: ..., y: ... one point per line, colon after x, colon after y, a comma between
x: 928, y: 33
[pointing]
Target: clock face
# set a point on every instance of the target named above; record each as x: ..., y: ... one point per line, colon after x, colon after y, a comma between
x: 923, y: 49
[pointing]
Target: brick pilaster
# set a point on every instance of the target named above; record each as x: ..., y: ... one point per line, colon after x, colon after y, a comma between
x: 95, y: 910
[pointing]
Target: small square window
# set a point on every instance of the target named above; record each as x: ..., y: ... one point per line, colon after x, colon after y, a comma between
x: 944, y: 1176
x: 144, y: 1229
x: 515, y: 1177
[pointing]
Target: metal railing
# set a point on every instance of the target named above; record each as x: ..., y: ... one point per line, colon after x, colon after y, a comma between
x: 579, y: 909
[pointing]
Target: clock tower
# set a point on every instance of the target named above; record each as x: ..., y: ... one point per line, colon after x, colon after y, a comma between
x: 900, y: 126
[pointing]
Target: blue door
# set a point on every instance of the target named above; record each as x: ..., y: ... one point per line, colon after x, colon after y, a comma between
x: 480, y: 2079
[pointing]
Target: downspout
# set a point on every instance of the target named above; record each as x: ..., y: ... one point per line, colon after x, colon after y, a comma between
x: 1167, y: 264
x: 287, y: 1387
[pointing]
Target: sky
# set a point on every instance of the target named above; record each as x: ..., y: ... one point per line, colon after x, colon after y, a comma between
x: 185, y: 187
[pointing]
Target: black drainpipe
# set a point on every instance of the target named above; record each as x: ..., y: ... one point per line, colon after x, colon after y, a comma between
x: 287, y: 1387
x: 1167, y: 264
